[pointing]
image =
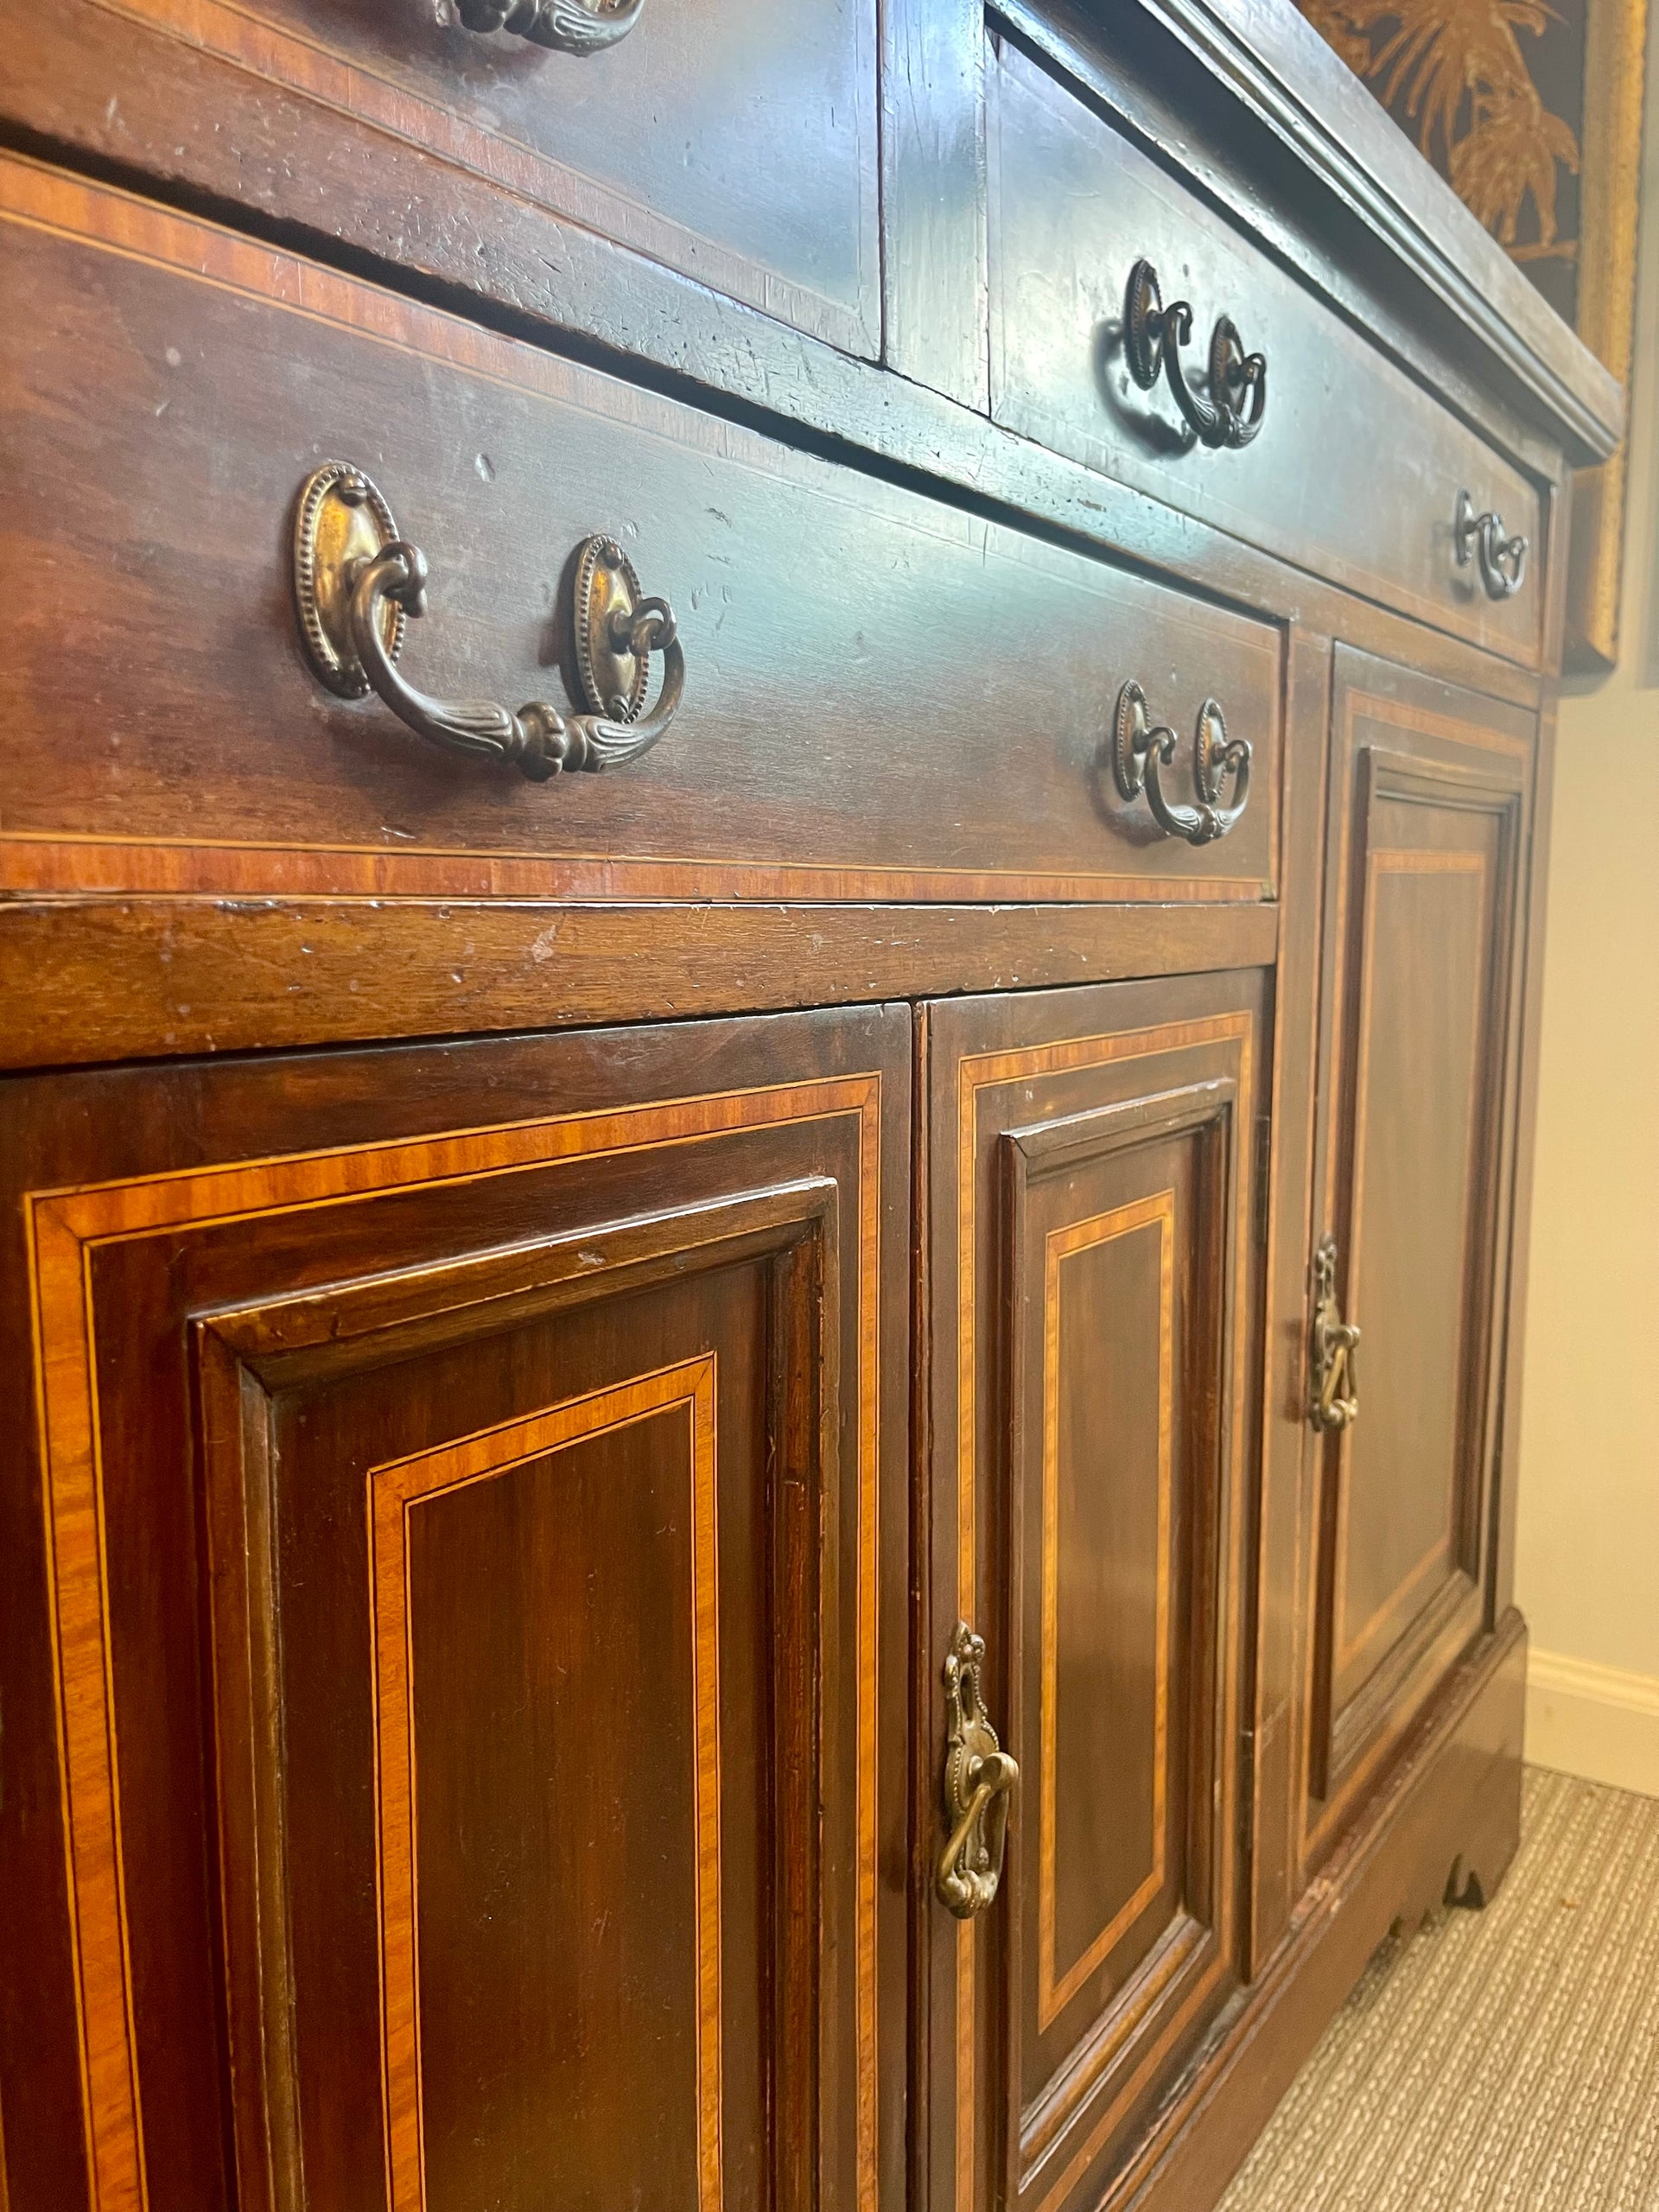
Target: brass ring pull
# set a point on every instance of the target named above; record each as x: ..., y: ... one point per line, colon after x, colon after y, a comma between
x: 1503, y: 560
x: 1333, y: 1400
x: 1154, y: 335
x: 979, y: 1779
x: 356, y: 582
x: 1143, y: 749
x: 566, y: 26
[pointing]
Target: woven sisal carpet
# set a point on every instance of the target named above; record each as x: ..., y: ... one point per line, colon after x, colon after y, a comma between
x: 1504, y: 2061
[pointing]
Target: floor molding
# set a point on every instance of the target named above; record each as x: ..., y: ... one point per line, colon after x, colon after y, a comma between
x: 1597, y: 1722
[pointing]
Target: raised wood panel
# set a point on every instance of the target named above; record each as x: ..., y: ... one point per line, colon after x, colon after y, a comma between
x: 847, y: 644
x: 650, y: 143
x: 1418, y: 1069
x: 1107, y: 1314
x: 557, y: 1995
x: 487, y: 1534
x: 1092, y: 1426
x: 1074, y: 204
x: 1430, y: 801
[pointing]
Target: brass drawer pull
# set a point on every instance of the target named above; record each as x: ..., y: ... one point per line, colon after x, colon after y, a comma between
x: 1143, y: 749
x: 356, y: 581
x: 979, y: 1779
x: 1503, y: 560
x: 567, y: 25
x: 1154, y: 335
x: 1333, y: 1400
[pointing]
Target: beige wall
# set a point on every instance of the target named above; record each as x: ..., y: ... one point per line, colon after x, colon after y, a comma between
x: 1587, y: 1560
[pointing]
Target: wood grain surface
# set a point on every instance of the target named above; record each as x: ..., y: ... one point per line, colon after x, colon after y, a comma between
x: 1073, y: 206
x: 537, y: 1310
x: 422, y: 1278
x: 580, y: 135
x: 1428, y: 828
x: 1044, y: 1114
x: 870, y: 674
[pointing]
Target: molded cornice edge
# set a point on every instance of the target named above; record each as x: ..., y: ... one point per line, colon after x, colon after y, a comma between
x: 1271, y: 59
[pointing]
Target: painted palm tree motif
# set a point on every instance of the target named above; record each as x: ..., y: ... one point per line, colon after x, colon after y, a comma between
x: 1454, y: 71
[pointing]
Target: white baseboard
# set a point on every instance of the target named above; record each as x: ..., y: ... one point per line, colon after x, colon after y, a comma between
x: 1591, y: 1721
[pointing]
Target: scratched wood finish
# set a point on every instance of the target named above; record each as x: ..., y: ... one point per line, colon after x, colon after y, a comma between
x: 1073, y: 206
x: 583, y: 136
x: 197, y: 974
x: 849, y: 647
x: 121, y: 92
x: 1092, y: 1401
x: 471, y: 1672
x: 250, y: 130
x: 933, y: 195
x: 537, y: 1578
x: 1428, y: 827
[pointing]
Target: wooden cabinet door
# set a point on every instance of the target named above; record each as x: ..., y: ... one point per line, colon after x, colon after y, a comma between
x: 1429, y: 836
x: 477, y: 1503
x: 1091, y: 1308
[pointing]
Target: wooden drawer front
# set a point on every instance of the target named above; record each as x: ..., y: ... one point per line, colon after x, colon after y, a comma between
x: 883, y: 696
x: 1356, y: 470
x: 671, y: 141
x: 552, y: 1480
x: 1429, y: 832
x: 1094, y: 1313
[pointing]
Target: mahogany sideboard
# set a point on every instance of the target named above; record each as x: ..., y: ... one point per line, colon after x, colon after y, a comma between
x: 761, y: 1417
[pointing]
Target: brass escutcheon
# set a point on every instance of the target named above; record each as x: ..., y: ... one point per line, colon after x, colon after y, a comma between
x: 979, y: 1780
x: 341, y: 522
x: 1333, y: 1398
x: 608, y: 600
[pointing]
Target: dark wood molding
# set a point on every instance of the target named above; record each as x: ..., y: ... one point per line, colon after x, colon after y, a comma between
x: 1265, y: 57
x: 154, y: 976
x: 1092, y: 163
x: 868, y: 1155
x: 1270, y: 58
x: 220, y: 141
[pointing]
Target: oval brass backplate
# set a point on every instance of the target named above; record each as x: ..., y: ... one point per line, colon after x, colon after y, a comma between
x: 613, y: 676
x: 341, y: 521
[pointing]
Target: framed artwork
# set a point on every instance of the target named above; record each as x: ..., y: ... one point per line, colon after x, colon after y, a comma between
x: 1533, y: 114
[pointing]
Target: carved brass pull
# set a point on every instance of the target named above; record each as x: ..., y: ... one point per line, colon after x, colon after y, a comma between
x: 356, y: 581
x: 1333, y: 1400
x: 979, y: 1777
x: 1154, y: 335
x: 1503, y: 561
x: 1143, y: 749
x: 565, y: 25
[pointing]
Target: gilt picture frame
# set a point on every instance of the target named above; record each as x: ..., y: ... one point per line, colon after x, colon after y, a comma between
x: 1610, y: 200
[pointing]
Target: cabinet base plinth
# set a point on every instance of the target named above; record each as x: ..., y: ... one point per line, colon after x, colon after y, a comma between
x: 1453, y: 1804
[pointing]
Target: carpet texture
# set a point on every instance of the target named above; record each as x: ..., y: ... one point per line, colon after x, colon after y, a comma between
x: 1503, y: 2061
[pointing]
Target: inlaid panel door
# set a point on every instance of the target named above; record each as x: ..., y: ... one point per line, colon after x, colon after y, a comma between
x: 476, y: 1499
x: 1427, y: 836
x: 1092, y: 1310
